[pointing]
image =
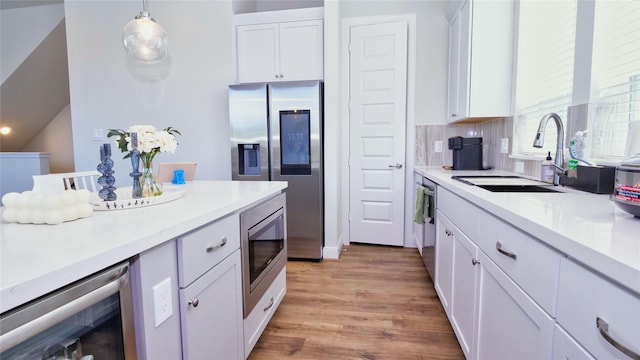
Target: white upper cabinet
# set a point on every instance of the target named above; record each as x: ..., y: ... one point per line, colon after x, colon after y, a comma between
x: 481, y: 38
x: 279, y: 50
x: 258, y: 58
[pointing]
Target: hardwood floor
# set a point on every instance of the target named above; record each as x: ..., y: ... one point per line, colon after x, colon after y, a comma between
x: 376, y: 302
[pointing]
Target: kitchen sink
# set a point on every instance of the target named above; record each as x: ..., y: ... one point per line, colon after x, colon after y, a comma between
x: 519, y: 188
x: 506, y: 183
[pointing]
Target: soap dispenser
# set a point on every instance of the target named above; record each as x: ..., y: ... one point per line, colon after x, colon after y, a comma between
x: 548, y: 169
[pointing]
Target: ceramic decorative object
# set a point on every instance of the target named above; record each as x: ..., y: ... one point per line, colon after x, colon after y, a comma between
x: 107, y: 193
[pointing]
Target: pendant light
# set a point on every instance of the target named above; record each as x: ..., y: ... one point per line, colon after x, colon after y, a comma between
x: 144, y: 38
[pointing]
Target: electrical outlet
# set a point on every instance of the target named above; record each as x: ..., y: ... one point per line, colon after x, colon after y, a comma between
x: 504, y: 146
x: 162, y: 306
x: 438, y: 146
x: 97, y: 134
x: 519, y: 167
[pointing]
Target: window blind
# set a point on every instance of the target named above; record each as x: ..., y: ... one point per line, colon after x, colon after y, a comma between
x: 615, y: 123
x: 544, y: 78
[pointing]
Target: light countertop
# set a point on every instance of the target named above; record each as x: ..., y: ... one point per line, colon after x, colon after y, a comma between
x: 587, y: 227
x: 37, y: 259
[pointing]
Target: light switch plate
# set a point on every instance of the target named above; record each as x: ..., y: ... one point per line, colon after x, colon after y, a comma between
x: 97, y: 134
x: 519, y: 167
x: 438, y: 146
x: 162, y: 306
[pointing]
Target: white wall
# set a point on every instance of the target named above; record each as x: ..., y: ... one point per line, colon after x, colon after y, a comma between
x: 187, y: 90
x: 33, y: 24
x: 431, y: 53
x: 56, y: 139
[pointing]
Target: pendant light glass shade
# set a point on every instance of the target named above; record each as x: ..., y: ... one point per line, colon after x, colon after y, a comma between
x: 144, y: 39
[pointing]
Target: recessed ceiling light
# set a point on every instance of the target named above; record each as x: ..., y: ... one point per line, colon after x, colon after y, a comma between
x: 5, y: 130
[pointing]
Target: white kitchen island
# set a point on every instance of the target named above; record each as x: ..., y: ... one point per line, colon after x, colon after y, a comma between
x: 38, y: 259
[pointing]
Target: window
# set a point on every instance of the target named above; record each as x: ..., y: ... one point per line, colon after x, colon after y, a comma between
x: 615, y: 80
x: 544, y: 79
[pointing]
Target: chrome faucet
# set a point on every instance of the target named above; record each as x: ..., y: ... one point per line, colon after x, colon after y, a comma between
x: 539, y: 141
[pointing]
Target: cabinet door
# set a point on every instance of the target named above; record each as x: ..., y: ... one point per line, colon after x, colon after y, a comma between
x: 211, y: 312
x: 301, y: 50
x: 463, y: 300
x: 464, y: 61
x: 459, y: 56
x: 257, y: 53
x: 454, y: 70
x: 510, y: 324
x: 480, y: 60
x: 566, y: 348
x: 444, y: 261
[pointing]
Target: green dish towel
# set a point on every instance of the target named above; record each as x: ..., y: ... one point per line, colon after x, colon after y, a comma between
x: 420, y: 202
x: 424, y: 205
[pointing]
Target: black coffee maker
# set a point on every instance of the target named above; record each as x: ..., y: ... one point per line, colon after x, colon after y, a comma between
x: 467, y: 152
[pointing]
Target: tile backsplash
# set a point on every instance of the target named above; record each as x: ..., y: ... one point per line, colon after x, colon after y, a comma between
x: 492, y: 132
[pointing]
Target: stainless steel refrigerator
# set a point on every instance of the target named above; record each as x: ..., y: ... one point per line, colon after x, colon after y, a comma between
x: 276, y: 135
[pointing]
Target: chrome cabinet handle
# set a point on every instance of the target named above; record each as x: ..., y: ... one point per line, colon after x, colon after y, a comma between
x: 505, y: 253
x: 195, y: 302
x: 454, y: 115
x: 448, y: 232
x: 211, y: 248
x: 397, y: 166
x: 475, y: 262
x: 603, y: 326
x: 270, y: 305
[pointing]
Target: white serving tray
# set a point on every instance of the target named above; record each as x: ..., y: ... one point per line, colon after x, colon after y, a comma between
x: 125, y: 201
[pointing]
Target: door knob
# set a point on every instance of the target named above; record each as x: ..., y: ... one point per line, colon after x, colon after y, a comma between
x: 397, y: 166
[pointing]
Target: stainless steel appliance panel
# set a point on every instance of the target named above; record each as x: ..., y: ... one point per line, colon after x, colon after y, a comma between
x: 429, y: 240
x: 261, y: 263
x: 93, y: 316
x: 306, y: 190
x: 249, y: 132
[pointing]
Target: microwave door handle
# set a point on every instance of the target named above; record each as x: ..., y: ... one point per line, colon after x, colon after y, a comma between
x: 20, y: 334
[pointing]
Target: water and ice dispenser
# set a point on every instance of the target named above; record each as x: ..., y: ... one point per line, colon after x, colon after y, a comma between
x: 249, y: 159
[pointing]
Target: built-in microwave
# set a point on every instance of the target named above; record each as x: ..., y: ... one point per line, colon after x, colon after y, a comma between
x: 263, y: 241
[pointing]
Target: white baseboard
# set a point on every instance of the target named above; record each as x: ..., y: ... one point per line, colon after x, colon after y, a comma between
x: 331, y: 252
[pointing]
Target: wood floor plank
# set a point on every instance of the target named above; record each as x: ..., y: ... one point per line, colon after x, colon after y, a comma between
x: 375, y: 303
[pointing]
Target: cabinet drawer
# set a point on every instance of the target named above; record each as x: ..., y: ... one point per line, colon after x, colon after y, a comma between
x: 584, y: 297
x: 461, y: 212
x: 202, y: 249
x: 257, y: 320
x: 501, y: 241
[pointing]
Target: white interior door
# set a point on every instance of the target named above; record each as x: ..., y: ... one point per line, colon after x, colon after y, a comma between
x: 377, y: 118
